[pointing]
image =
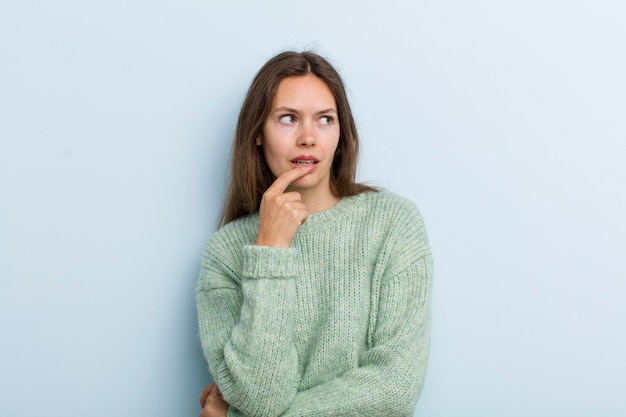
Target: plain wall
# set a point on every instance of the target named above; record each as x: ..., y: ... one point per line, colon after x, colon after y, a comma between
x: 502, y: 120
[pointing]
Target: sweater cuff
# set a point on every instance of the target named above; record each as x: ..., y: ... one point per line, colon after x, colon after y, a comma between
x: 232, y: 412
x: 269, y: 262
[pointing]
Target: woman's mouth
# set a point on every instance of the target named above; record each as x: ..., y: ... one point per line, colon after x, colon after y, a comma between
x: 304, y: 162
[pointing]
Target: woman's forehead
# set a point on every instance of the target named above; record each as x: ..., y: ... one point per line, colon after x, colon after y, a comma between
x: 303, y: 92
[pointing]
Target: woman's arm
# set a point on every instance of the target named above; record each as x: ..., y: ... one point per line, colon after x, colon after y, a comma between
x: 389, y: 379
x: 390, y: 375
x: 246, y: 331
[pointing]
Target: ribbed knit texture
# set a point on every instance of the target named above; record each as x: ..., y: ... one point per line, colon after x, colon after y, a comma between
x: 336, y: 325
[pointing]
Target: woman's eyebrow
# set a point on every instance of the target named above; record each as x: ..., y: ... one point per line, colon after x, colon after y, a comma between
x: 285, y: 109
x: 292, y: 110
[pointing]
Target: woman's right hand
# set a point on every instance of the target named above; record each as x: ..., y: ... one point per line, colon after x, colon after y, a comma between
x: 212, y: 402
x: 281, y: 213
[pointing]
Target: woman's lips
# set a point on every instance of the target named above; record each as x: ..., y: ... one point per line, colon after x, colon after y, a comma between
x: 304, y: 160
x: 308, y: 162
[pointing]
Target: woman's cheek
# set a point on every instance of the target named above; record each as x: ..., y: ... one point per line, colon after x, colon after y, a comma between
x: 285, y: 127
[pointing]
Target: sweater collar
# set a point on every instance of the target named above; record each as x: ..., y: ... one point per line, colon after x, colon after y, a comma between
x: 341, y: 210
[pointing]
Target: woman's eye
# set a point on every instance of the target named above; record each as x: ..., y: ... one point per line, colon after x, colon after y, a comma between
x: 287, y: 119
x: 326, y: 120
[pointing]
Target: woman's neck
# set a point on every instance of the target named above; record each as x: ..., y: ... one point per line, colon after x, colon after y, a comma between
x: 316, y: 202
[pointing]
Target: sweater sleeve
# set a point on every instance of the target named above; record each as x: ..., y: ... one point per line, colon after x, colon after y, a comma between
x: 246, y: 328
x: 389, y: 379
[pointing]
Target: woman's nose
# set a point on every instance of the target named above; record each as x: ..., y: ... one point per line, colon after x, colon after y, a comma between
x: 307, y: 135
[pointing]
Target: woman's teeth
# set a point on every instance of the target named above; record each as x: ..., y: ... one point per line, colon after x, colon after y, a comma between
x: 308, y: 162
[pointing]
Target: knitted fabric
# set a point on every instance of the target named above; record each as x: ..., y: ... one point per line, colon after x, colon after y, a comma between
x: 336, y: 325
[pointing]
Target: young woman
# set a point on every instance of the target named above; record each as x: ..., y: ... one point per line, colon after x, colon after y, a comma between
x: 314, y: 295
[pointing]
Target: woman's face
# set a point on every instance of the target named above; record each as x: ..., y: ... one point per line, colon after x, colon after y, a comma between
x: 302, y: 128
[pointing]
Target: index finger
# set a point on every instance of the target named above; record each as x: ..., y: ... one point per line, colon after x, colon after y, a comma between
x: 282, y: 182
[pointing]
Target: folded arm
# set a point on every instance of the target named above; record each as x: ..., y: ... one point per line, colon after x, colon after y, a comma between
x: 246, y: 330
x: 391, y: 373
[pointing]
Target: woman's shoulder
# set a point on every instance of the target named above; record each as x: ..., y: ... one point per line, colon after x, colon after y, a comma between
x: 388, y: 204
x: 234, y: 235
x: 398, y: 216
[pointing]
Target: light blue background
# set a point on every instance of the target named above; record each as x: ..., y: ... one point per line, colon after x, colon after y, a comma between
x: 503, y: 120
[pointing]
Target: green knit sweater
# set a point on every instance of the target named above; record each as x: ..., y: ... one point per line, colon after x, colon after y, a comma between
x: 336, y: 325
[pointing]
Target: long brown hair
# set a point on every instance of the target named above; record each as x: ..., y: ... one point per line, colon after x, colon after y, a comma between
x: 250, y: 175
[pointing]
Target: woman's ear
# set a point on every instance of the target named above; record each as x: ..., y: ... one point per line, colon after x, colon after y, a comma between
x: 258, y: 140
